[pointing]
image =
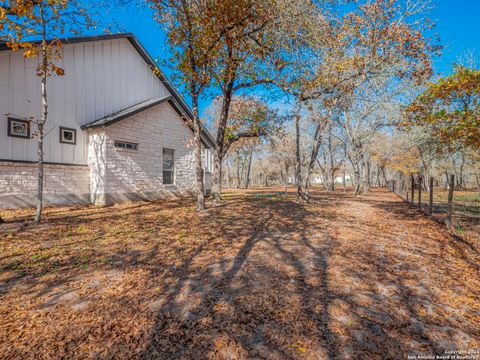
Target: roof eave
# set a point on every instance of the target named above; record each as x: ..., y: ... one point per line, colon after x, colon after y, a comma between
x: 126, y: 114
x: 148, y: 59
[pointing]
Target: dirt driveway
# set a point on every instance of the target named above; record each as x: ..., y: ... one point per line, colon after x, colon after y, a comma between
x: 258, y: 277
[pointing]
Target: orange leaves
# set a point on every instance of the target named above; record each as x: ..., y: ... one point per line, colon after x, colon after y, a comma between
x: 31, y: 52
x: 451, y: 106
x: 58, y: 71
x: 45, y: 19
x: 342, y: 277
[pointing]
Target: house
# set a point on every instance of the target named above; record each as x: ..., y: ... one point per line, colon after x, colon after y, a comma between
x: 116, y: 130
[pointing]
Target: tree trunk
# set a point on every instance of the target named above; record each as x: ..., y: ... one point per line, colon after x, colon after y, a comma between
x: 217, y: 176
x: 40, y: 175
x: 298, y: 159
x: 462, y: 166
x: 41, y: 128
x: 367, y: 165
x: 249, y: 168
x: 227, y: 91
x: 377, y: 175
x: 198, y: 156
x: 384, y: 175
x: 313, y: 155
x: 238, y: 170
x: 356, y: 173
x: 228, y: 175
x: 332, y: 161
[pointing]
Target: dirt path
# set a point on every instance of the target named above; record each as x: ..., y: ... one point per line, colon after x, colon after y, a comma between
x: 342, y: 278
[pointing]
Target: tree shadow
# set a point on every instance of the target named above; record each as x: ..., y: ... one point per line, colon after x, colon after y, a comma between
x: 262, y: 278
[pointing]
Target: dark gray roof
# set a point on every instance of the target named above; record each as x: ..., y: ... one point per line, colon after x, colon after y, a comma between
x: 123, y: 114
x: 177, y: 101
x: 135, y: 109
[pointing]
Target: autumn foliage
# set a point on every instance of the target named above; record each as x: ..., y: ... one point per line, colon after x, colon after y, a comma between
x: 451, y: 107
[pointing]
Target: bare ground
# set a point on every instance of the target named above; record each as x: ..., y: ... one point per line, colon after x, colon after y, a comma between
x: 258, y: 277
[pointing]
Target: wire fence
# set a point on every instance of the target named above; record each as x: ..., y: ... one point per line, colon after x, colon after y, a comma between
x: 458, y: 208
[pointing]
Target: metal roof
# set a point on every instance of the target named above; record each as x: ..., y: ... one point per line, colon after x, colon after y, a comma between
x: 177, y: 101
x: 125, y: 113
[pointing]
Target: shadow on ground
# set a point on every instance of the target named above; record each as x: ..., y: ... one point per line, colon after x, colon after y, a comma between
x: 261, y: 277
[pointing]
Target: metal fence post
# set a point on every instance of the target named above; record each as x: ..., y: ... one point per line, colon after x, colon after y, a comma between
x: 450, y: 200
x: 420, y: 179
x: 430, y: 202
x: 412, y: 184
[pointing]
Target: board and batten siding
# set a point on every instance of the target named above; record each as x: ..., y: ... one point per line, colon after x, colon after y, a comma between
x: 101, y: 78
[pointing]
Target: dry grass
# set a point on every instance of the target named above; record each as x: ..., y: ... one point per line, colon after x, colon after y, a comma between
x: 466, y: 210
x: 258, y: 277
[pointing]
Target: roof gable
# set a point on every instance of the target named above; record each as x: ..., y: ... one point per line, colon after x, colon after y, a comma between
x: 175, y: 99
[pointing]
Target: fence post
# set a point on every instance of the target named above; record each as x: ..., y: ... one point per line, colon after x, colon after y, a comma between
x: 420, y: 179
x: 406, y: 188
x: 450, y: 200
x: 412, y: 184
x: 430, y: 202
x: 394, y: 186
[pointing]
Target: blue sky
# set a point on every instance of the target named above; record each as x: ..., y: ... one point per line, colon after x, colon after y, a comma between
x: 458, y: 26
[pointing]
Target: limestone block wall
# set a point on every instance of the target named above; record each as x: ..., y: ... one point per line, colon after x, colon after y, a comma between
x: 122, y: 174
x: 112, y: 174
x: 63, y: 184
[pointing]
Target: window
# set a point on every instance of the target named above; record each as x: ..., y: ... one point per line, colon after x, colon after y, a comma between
x: 68, y: 136
x: 208, y: 161
x: 168, y: 161
x: 19, y: 128
x: 125, y: 145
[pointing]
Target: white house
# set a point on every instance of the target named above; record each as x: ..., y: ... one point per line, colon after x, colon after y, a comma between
x: 117, y: 131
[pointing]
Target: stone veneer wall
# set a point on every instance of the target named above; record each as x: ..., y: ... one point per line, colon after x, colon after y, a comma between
x: 64, y: 184
x: 122, y: 175
x: 113, y: 175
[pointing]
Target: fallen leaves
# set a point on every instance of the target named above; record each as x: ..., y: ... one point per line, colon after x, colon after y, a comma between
x: 257, y: 278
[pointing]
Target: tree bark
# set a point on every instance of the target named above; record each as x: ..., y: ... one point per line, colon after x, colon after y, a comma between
x: 366, y: 185
x: 384, y: 175
x: 41, y: 128
x: 228, y: 176
x: 357, y: 176
x: 313, y: 155
x: 227, y: 90
x: 247, y: 180
x: 298, y: 159
x: 217, y: 176
x: 462, y: 166
x: 332, y: 160
x: 238, y: 170
x: 198, y: 155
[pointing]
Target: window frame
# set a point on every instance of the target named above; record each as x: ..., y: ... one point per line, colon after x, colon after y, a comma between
x: 134, y: 146
x: 172, y: 171
x: 74, y: 131
x: 11, y: 134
